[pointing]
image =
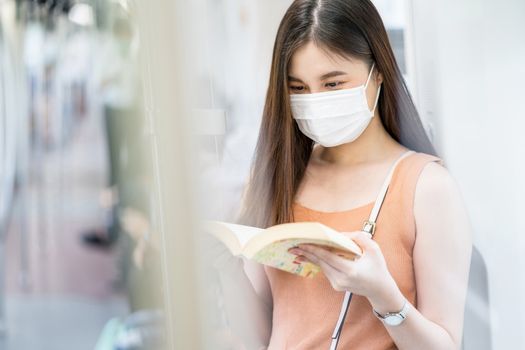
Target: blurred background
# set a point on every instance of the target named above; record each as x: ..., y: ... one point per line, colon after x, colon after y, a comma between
x: 123, y: 122
x: 78, y: 263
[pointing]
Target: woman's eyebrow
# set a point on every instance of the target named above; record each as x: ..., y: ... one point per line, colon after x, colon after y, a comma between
x: 297, y: 80
x: 322, y: 77
x: 332, y: 74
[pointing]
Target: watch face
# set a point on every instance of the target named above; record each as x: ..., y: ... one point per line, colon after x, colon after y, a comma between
x: 394, y: 320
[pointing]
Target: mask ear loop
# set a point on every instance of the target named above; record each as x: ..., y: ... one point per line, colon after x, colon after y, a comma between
x: 377, y: 99
x: 378, y: 89
x: 370, y: 75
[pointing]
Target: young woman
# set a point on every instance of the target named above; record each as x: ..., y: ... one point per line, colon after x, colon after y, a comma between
x: 338, y: 115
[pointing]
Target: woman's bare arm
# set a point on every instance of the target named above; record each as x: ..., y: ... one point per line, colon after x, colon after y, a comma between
x: 441, y: 260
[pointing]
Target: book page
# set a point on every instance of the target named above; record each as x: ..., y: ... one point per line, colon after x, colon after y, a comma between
x: 301, y: 230
x: 276, y: 255
x: 243, y: 233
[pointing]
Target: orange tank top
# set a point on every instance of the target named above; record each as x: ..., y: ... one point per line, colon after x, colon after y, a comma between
x: 305, y: 310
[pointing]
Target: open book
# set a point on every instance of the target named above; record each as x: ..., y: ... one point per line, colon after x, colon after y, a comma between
x: 270, y: 246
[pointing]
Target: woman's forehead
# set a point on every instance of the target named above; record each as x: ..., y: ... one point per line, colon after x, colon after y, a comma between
x: 313, y: 61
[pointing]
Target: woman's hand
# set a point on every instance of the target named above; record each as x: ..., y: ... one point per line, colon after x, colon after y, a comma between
x: 367, y: 275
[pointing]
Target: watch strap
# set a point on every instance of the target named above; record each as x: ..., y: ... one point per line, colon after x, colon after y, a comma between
x: 403, y: 312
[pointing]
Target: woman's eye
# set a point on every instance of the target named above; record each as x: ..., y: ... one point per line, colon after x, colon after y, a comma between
x: 333, y: 84
x: 297, y: 88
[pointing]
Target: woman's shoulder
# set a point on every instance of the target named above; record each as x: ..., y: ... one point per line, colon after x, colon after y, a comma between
x: 436, y: 189
x: 434, y: 179
x: 432, y: 175
x: 424, y: 158
x: 410, y: 169
x: 415, y: 163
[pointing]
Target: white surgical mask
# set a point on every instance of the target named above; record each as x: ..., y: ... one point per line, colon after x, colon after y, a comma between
x: 332, y: 118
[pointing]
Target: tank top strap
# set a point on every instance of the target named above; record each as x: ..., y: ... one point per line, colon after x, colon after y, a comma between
x: 413, y: 164
x: 404, y: 181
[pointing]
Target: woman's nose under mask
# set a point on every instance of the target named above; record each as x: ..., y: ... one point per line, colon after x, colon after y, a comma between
x: 333, y: 118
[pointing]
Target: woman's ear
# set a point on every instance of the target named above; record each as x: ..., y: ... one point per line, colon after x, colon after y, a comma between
x: 379, y: 78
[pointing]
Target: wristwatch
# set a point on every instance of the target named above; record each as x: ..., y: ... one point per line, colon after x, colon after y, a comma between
x: 393, y: 318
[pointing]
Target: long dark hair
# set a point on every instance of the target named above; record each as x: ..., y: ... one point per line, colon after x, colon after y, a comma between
x: 350, y: 28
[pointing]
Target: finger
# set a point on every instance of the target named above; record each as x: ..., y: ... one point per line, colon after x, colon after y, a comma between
x: 314, y: 257
x: 363, y: 239
x: 334, y: 276
x: 311, y: 257
x: 331, y: 258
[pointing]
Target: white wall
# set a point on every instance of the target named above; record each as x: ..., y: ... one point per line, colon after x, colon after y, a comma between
x: 469, y: 71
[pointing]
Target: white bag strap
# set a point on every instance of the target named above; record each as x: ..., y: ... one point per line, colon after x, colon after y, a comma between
x: 368, y: 227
